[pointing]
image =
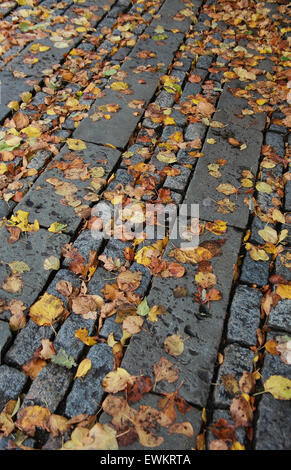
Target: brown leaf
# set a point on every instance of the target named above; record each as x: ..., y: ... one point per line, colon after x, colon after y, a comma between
x: 165, y: 370
x: 182, y: 428
x: 231, y: 384
x: 140, y: 386
x: 33, y: 367
x: 32, y: 417
x: 247, y: 382
x: 241, y: 411
x: 222, y: 429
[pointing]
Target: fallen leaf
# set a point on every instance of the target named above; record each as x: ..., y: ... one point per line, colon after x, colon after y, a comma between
x: 47, y: 310
x: 116, y: 381
x: 83, y: 368
x: 174, y: 345
x: 279, y: 387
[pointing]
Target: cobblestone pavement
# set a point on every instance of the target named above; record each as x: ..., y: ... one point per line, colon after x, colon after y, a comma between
x: 133, y: 102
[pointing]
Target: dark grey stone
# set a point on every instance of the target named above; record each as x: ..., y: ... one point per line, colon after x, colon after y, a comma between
x: 49, y: 387
x: 87, y: 391
x: 288, y: 196
x: 195, y: 131
x: 33, y: 248
x: 229, y: 109
x: 66, y: 338
x: 204, y: 61
x: 277, y: 142
x: 36, y: 200
x: 11, y: 88
x: 203, y: 334
x: 203, y: 186
x: 179, y: 182
x: 273, y: 429
x: 254, y: 272
x: 11, y: 384
x: 26, y: 342
x: 168, y: 12
x: 5, y: 337
x: 280, y: 316
x: 244, y: 316
x: 236, y: 360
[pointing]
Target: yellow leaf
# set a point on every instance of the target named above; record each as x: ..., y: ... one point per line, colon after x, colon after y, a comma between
x: 119, y: 86
x: 82, y: 335
x: 268, y: 234
x: 52, y: 262
x: 167, y: 157
x: 31, y: 417
x: 278, y: 216
x: 116, y: 380
x: 226, y: 188
x: 284, y: 291
x: 174, y: 345
x: 3, y: 168
x: 83, y: 368
x: 237, y: 446
x: 39, y: 47
x: 13, y: 105
x: 218, y: 227
x: 261, y: 101
x: 246, y: 183
x: 264, y: 187
x: 155, y: 311
x: 47, y: 310
x: 211, y: 141
x: 20, y: 219
x: 279, y: 387
x: 76, y: 144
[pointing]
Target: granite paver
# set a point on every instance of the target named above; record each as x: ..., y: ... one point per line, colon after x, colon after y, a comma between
x: 159, y: 102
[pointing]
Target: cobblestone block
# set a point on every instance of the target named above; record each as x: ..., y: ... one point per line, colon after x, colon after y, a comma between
x: 236, y: 360
x: 229, y: 109
x: 280, y: 316
x: 258, y: 224
x: 87, y: 392
x: 244, y: 316
x: 11, y: 384
x: 203, y: 186
x: 34, y: 248
x: 85, y: 242
x: 254, y: 272
x: 273, y: 430
x: 179, y: 182
x: 197, y: 361
x: 170, y: 18
x: 195, y: 131
x: 49, y: 387
x: 26, y: 342
x: 5, y: 337
x: 35, y: 201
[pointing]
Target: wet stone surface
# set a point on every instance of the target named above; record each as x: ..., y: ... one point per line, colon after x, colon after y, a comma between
x: 236, y: 360
x: 12, y: 382
x: 244, y: 316
x: 87, y: 392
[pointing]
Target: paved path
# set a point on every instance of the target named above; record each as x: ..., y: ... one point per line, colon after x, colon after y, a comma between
x: 166, y: 101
